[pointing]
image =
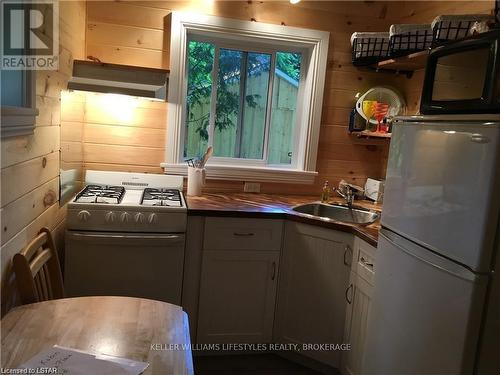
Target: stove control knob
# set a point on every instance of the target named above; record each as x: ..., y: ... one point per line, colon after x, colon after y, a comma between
x: 83, y: 215
x: 125, y: 218
x: 152, y: 219
x: 139, y: 218
x: 110, y: 217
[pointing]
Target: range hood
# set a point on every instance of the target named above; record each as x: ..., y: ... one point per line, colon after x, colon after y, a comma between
x: 119, y: 79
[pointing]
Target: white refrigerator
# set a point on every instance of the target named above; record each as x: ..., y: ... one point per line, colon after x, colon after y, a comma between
x: 436, y: 302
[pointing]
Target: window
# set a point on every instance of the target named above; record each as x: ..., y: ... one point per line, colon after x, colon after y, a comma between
x: 253, y: 91
x: 18, y: 102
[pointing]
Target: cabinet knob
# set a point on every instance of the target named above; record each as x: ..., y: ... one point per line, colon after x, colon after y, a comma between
x: 349, y: 288
x: 273, y: 275
x: 347, y: 256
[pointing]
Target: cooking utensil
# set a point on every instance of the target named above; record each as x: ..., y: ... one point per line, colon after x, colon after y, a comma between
x: 207, y: 156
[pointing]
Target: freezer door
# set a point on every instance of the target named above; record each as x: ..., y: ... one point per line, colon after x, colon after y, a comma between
x: 442, y: 188
x: 425, y: 313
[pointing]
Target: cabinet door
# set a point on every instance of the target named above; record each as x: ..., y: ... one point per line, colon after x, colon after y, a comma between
x: 237, y: 296
x: 313, y: 279
x: 358, y: 297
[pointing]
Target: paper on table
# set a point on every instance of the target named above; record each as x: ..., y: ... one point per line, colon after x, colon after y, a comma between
x: 76, y: 362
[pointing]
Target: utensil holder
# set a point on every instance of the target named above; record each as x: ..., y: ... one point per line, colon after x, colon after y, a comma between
x: 196, y: 181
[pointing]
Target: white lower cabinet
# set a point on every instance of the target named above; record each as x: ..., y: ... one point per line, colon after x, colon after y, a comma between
x: 317, y: 292
x: 358, y: 296
x: 311, y: 298
x: 238, y: 285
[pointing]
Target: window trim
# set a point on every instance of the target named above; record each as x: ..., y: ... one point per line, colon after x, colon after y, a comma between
x: 313, y: 41
x: 17, y: 121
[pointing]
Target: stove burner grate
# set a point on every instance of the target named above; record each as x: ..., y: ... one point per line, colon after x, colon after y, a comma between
x: 161, y: 197
x: 101, y: 194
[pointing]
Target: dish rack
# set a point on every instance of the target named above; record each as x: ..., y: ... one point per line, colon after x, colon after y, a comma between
x: 405, y: 39
x: 447, y: 28
x: 369, y: 48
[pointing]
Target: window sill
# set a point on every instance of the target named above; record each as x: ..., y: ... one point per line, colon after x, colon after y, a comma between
x: 241, y: 173
x: 17, y: 121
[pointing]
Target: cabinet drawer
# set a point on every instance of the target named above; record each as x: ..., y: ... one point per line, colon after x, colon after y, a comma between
x: 364, y: 260
x: 242, y: 234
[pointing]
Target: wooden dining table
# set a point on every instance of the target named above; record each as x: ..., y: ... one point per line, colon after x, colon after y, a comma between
x: 134, y: 328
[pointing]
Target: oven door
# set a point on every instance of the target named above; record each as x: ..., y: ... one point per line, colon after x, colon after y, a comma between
x: 124, y: 264
x: 462, y: 78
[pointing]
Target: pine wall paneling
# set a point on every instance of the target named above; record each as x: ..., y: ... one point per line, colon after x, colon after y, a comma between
x: 30, y: 164
x: 134, y: 26
x: 133, y: 30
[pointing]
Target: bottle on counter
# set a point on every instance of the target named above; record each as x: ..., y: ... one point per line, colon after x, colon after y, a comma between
x: 325, y: 193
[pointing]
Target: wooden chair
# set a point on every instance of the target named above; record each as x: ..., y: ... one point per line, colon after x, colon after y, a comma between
x: 37, y: 270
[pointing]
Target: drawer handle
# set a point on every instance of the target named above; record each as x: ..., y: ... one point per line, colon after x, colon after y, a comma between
x: 239, y: 234
x: 347, y: 251
x: 366, y: 263
x: 350, y: 287
x: 273, y: 276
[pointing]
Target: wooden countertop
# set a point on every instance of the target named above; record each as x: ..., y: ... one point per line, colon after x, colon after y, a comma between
x: 134, y: 328
x: 277, y: 206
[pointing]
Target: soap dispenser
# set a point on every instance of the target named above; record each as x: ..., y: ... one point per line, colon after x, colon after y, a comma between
x: 325, y: 193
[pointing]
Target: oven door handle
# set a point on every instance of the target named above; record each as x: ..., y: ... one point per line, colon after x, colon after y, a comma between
x: 129, y: 236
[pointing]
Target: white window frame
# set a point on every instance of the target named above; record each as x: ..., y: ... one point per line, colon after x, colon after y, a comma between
x: 18, y: 121
x: 247, y: 36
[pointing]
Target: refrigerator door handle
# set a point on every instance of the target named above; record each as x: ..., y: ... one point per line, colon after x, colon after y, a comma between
x: 429, y: 257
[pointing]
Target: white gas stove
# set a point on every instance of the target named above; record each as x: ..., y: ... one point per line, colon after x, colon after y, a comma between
x: 125, y: 236
x: 131, y: 202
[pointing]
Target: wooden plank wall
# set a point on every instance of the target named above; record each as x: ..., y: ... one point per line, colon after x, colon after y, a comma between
x: 72, y: 120
x: 131, y: 32
x: 30, y: 164
x: 132, y: 36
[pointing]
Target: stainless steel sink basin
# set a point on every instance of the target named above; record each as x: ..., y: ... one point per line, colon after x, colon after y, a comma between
x: 333, y: 212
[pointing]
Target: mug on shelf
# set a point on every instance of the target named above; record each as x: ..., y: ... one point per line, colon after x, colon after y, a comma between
x: 196, y: 180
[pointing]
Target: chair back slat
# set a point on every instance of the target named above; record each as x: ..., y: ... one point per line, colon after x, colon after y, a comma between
x: 38, y: 271
x: 39, y: 261
x: 35, y: 244
x: 43, y: 285
x: 39, y: 289
x: 45, y: 270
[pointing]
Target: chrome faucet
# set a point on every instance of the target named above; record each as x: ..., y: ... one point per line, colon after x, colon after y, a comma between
x: 348, y: 196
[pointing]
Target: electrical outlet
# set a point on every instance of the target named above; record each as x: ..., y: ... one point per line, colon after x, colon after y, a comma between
x: 251, y: 187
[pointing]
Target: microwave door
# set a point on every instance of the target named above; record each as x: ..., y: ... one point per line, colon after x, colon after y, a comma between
x: 463, y: 78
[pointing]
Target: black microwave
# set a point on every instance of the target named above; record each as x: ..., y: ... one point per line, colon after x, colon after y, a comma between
x: 463, y: 77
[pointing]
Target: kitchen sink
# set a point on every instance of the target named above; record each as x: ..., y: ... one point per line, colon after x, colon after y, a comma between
x: 334, y: 212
